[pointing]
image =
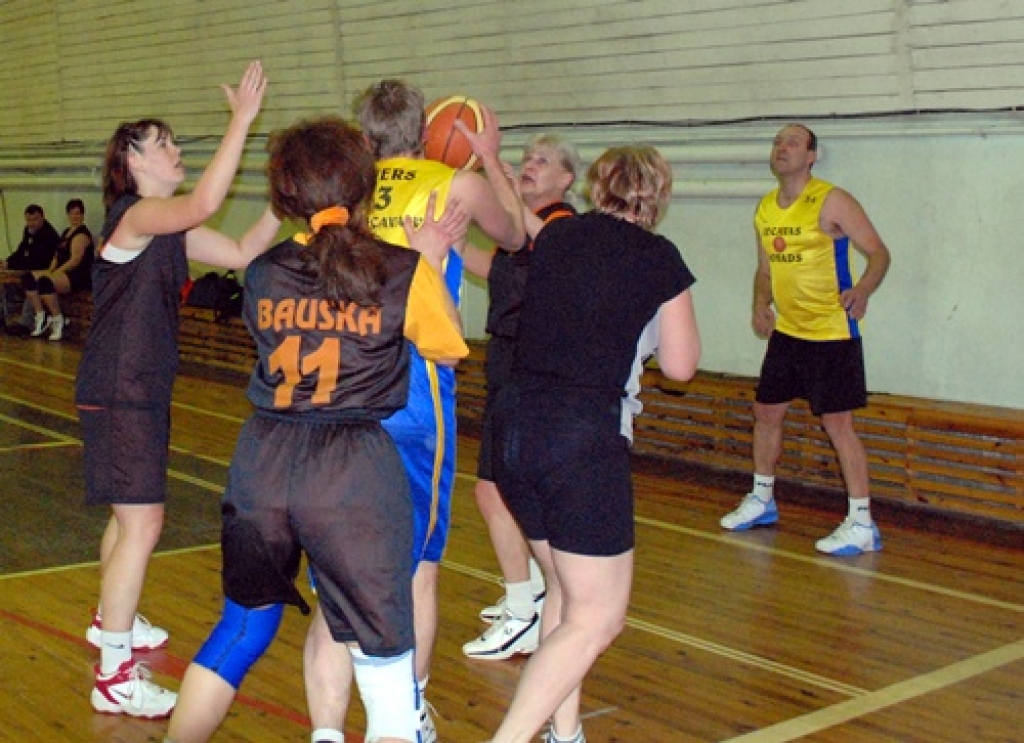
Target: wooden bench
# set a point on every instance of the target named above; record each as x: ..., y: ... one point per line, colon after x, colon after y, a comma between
x: 956, y: 458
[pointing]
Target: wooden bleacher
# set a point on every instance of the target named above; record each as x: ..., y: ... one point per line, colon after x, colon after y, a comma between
x: 955, y: 458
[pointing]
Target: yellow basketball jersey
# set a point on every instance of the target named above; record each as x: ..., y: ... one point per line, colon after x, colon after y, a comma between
x: 403, y: 186
x: 809, y: 268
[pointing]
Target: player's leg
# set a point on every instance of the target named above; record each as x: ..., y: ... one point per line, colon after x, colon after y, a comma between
x: 595, y: 596
x: 354, y: 521
x: 212, y: 680
x: 840, y: 388
x: 516, y: 628
x: 780, y: 382
x: 858, y: 533
x: 126, y: 465
x: 328, y: 673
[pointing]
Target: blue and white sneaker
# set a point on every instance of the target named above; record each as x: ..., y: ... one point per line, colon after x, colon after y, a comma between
x: 751, y: 512
x: 851, y: 538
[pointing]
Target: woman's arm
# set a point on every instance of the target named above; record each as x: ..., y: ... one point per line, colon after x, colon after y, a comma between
x: 207, y: 245
x: 163, y: 216
x: 78, y: 245
x: 678, y: 338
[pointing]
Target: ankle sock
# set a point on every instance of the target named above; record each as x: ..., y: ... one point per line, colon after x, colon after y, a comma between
x: 764, y: 487
x: 327, y: 735
x: 519, y: 599
x: 115, y: 649
x: 860, y: 511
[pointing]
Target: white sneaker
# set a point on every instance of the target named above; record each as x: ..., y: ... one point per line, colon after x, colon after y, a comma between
x: 509, y: 636
x: 57, y: 328
x: 496, y: 611
x: 550, y: 737
x: 42, y: 324
x: 144, y: 635
x: 751, y: 512
x: 428, y: 733
x: 130, y: 692
x: 851, y: 538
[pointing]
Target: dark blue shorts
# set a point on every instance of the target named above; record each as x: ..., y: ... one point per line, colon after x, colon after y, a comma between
x: 126, y: 453
x: 497, y: 369
x: 828, y: 374
x: 563, y: 467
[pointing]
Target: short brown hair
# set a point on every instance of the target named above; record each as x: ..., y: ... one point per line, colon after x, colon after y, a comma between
x: 632, y: 181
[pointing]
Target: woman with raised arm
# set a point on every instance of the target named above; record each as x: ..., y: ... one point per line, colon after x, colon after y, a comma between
x: 125, y: 377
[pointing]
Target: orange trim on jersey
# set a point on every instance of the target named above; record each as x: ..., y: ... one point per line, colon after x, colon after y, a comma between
x: 557, y: 214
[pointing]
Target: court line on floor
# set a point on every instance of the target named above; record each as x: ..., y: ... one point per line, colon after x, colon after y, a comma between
x: 862, y: 702
x: 723, y: 651
x: 903, y: 691
x: 833, y: 563
x: 732, y: 540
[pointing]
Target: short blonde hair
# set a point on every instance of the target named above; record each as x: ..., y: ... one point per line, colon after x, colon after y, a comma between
x: 633, y: 181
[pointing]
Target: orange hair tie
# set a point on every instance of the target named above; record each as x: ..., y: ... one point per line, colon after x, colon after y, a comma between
x: 331, y: 215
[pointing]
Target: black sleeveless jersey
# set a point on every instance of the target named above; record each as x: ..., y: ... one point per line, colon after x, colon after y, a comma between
x: 131, y: 353
x: 332, y: 363
x: 507, y: 279
x: 81, y: 275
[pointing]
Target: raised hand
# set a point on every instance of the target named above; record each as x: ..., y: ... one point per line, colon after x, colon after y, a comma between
x: 246, y: 99
x: 486, y: 144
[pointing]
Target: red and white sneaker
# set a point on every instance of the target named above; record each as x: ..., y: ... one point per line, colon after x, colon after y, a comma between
x: 130, y: 692
x: 144, y: 635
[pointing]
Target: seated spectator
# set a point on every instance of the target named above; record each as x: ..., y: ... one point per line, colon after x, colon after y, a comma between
x: 35, y: 252
x: 70, y: 270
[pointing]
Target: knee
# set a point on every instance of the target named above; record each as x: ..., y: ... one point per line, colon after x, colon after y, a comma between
x: 599, y: 624
x: 769, y: 415
x: 608, y: 629
x: 487, y: 497
x: 239, y: 640
x: 144, y: 531
x: 390, y: 695
x: 838, y: 425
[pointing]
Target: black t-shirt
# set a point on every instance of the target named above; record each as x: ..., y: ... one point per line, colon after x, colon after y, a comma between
x: 594, y: 283
x: 507, y: 279
x: 35, y: 251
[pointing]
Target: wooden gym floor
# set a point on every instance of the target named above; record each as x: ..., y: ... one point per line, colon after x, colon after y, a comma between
x: 730, y: 637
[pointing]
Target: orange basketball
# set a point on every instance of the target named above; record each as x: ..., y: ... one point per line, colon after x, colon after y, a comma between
x: 444, y: 142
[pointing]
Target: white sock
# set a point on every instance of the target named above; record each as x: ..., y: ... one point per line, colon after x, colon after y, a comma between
x: 536, y: 578
x: 860, y: 511
x: 519, y: 599
x: 327, y: 735
x: 556, y: 738
x: 115, y: 649
x: 764, y: 487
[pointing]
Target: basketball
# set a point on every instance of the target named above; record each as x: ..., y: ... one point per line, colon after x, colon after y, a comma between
x: 444, y: 142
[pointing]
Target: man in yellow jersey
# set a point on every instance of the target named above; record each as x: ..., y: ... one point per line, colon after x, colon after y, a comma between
x: 392, y: 116
x: 809, y: 306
